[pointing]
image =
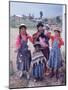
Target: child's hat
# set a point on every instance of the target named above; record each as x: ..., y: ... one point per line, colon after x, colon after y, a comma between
x: 22, y: 25
x: 37, y: 44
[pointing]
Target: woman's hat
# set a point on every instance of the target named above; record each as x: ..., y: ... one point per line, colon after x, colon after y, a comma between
x: 57, y: 29
x: 22, y: 25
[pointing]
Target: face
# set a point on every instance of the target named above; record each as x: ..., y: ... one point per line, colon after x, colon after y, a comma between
x: 37, y: 48
x: 57, y: 33
x: 23, y: 30
x: 40, y: 29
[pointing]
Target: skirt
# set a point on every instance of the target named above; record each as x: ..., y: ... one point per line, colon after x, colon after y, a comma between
x: 23, y: 60
x: 46, y: 52
x: 37, y: 71
x: 55, y: 58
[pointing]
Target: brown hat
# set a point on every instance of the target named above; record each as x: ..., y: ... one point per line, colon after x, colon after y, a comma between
x: 57, y: 29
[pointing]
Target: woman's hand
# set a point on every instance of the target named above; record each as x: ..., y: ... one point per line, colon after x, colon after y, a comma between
x: 16, y: 50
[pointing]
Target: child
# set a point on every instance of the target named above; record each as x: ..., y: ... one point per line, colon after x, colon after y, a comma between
x: 55, y: 54
x: 23, y: 55
x: 37, y: 67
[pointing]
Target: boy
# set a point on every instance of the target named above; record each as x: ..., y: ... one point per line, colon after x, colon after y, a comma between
x: 37, y: 67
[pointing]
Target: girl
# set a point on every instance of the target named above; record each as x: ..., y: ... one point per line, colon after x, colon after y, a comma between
x: 23, y: 55
x: 55, y: 55
x: 37, y: 64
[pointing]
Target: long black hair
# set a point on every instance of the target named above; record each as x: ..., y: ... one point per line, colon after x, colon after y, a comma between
x: 40, y: 24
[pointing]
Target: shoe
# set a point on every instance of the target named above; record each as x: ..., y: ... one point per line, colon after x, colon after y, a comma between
x: 57, y: 76
x: 28, y: 77
x: 35, y: 80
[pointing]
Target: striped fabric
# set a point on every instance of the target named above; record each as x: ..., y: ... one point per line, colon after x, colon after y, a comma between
x: 37, y: 56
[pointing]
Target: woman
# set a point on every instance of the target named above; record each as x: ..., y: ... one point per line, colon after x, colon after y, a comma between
x: 43, y: 39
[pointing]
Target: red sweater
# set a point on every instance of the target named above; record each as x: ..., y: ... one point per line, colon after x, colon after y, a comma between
x: 61, y: 42
x: 25, y: 37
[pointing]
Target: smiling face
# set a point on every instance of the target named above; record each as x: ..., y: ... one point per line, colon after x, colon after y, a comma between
x: 22, y: 30
x: 57, y: 33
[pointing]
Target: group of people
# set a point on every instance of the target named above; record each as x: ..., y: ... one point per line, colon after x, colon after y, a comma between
x: 43, y: 59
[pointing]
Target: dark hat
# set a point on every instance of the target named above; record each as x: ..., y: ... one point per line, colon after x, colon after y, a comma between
x: 37, y: 44
x: 22, y: 25
x: 40, y: 24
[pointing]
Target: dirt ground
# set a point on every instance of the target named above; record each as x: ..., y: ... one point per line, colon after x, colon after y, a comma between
x: 15, y: 81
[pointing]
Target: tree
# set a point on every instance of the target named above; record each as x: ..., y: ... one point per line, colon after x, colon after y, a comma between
x: 46, y: 20
x: 41, y: 14
x: 58, y: 19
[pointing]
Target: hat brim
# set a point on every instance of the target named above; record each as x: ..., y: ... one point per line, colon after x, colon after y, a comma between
x: 57, y: 30
x: 22, y: 26
x: 37, y: 45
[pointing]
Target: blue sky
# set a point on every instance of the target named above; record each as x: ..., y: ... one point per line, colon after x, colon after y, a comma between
x: 49, y: 10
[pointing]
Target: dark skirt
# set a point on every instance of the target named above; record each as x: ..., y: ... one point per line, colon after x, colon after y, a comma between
x: 55, y: 57
x: 23, y: 60
x: 37, y: 71
x: 46, y: 52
